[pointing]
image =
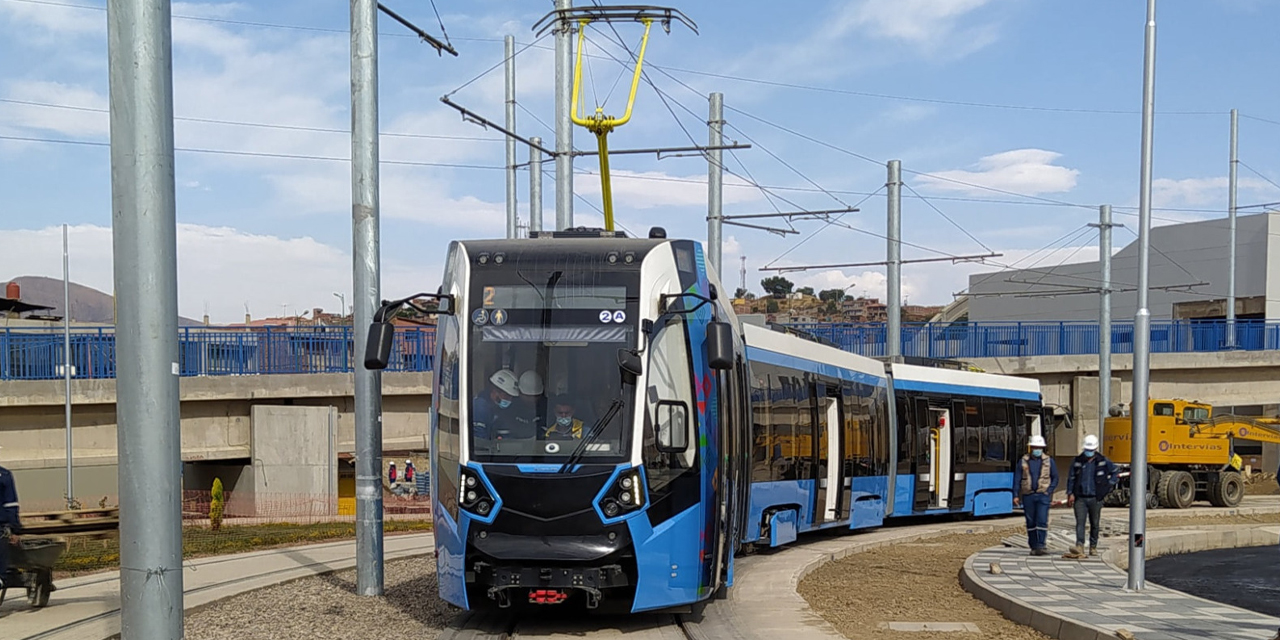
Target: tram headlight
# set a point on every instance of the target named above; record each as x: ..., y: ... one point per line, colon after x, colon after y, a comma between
x: 625, y: 494
x: 473, y: 494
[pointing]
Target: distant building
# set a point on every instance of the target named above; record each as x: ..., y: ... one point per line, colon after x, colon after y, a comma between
x: 862, y: 309
x: 1188, y: 276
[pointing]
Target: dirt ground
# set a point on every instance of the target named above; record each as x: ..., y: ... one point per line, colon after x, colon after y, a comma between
x: 912, y: 582
x: 327, y: 608
x: 918, y: 582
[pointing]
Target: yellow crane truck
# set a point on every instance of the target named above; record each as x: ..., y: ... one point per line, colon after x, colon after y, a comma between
x: 1190, y: 453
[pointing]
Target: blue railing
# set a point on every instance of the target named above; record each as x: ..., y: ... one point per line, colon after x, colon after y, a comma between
x: 38, y: 354
x: 1014, y: 339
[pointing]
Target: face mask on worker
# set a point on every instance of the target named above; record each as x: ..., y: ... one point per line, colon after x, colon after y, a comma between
x: 1037, y: 452
x: 1089, y: 454
x: 504, y: 403
x: 564, y: 422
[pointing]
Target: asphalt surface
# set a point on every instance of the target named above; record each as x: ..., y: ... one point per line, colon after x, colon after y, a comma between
x: 1248, y: 577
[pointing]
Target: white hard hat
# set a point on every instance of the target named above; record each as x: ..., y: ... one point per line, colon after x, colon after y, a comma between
x: 1037, y: 441
x: 1091, y: 443
x: 408, y: 462
x: 505, y: 380
x: 531, y: 383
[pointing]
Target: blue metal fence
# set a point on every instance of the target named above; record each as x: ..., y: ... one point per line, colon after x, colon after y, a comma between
x: 38, y: 354
x: 1014, y: 339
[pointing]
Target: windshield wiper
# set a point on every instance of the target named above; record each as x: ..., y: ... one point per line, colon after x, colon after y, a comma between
x: 591, y: 435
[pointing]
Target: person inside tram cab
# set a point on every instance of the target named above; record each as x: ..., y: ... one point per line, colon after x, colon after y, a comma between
x: 528, y: 410
x: 566, y: 425
x: 491, y: 414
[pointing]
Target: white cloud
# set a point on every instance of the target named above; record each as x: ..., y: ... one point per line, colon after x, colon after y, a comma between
x: 223, y: 267
x: 87, y: 119
x: 924, y: 23
x: 52, y: 19
x: 1166, y: 192
x: 1028, y: 171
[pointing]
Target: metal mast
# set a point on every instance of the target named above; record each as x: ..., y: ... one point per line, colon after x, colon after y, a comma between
x: 535, y: 185
x: 144, y: 242
x: 564, y: 125
x: 1104, y: 316
x: 66, y: 360
x: 715, y: 182
x: 365, y: 297
x: 1142, y: 323
x: 1231, y: 231
x: 509, y: 46
x: 893, y: 341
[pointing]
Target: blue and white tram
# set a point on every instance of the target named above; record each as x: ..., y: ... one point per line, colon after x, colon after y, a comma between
x: 604, y: 431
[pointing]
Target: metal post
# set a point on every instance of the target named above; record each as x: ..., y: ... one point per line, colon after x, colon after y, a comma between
x: 535, y: 185
x: 1142, y: 324
x: 66, y: 360
x: 1104, y: 318
x: 893, y: 341
x: 145, y: 245
x: 564, y: 125
x: 715, y: 182
x: 1231, y: 233
x: 509, y: 46
x: 364, y: 221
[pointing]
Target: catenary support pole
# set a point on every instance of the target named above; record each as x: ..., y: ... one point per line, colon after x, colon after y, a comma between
x: 893, y: 339
x: 715, y: 182
x: 564, y: 125
x: 1231, y: 231
x: 66, y: 362
x: 535, y: 185
x: 145, y: 245
x: 365, y: 297
x: 1142, y: 323
x: 509, y: 47
x: 1104, y: 318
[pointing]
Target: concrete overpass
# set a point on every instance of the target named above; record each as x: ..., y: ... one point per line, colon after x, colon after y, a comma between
x: 277, y: 434
x: 1246, y: 381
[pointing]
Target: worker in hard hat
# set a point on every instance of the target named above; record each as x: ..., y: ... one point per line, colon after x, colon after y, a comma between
x: 491, y: 411
x: 530, y: 407
x: 1091, y: 478
x: 1034, y: 479
x: 10, y: 525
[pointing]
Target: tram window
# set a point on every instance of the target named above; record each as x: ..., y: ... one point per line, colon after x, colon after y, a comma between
x: 905, y: 432
x: 761, y: 456
x: 446, y: 434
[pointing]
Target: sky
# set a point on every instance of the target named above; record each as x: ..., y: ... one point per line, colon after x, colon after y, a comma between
x: 1013, y: 120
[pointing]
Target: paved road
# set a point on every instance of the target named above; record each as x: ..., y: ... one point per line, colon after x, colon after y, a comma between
x: 1248, y: 578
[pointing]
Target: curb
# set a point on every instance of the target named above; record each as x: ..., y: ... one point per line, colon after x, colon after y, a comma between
x: 1162, y: 543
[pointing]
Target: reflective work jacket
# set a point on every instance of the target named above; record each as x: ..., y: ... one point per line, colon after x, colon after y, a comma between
x: 1043, y: 469
x: 1091, y: 477
x: 8, y: 502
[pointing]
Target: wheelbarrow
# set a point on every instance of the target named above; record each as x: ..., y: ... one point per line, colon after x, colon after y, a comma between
x: 31, y: 567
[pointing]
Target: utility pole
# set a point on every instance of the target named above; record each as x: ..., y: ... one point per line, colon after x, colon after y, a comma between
x: 1104, y: 315
x: 893, y: 341
x: 535, y: 185
x: 145, y: 244
x: 509, y: 46
x: 365, y: 297
x: 1231, y: 232
x: 66, y: 359
x: 1142, y: 323
x: 564, y: 124
x: 743, y: 272
x: 715, y: 182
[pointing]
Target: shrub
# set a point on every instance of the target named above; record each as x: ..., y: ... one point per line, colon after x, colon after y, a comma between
x: 216, y: 505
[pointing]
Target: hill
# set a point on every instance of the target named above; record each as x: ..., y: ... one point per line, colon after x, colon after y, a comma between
x: 87, y: 304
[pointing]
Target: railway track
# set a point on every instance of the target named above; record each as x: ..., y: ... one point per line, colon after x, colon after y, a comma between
x: 481, y: 626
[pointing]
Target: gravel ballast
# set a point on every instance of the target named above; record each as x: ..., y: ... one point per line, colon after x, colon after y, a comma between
x: 327, y: 608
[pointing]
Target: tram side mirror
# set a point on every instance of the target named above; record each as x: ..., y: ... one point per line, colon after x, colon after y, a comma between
x: 720, y: 345
x: 673, y: 426
x: 629, y: 364
x: 377, y: 351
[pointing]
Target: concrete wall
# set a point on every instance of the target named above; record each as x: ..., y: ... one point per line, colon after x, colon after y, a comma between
x: 294, y: 459
x: 1200, y: 252
x: 216, y: 423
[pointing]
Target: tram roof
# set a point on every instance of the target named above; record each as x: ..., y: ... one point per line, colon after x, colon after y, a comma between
x: 911, y: 377
x: 775, y: 347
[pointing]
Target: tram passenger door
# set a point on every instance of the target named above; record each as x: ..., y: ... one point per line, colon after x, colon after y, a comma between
x: 922, y: 461
x: 825, y: 437
x: 938, y: 452
x: 959, y: 431
x: 835, y: 477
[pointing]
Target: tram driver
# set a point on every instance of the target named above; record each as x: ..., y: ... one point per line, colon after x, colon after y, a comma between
x: 491, y: 415
x: 567, y: 425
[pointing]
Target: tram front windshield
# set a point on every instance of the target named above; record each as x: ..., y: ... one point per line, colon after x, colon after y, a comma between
x: 544, y: 365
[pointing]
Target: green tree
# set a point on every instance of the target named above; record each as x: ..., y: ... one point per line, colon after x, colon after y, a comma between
x: 740, y: 293
x: 831, y: 295
x: 217, y: 504
x: 771, y: 306
x: 777, y: 286
x: 832, y: 307
x: 808, y: 291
